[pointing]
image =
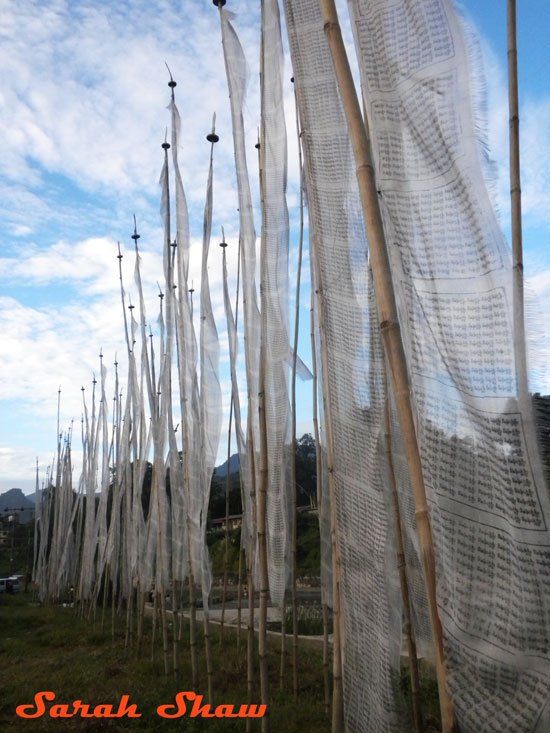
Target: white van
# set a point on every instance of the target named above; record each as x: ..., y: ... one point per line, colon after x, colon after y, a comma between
x: 9, y: 585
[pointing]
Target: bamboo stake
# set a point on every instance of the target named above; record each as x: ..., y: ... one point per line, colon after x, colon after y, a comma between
x: 283, y: 646
x: 226, y: 542
x: 318, y: 466
x: 403, y: 580
x: 175, y: 635
x: 192, y: 619
x: 391, y: 332
x: 208, y: 652
x: 250, y: 642
x: 141, y: 600
x: 262, y: 547
x: 154, y: 632
x: 239, y: 597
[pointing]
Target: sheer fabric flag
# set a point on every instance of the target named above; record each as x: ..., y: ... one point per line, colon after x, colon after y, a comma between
x: 489, y: 504
x: 353, y: 385
x: 323, y: 487
x: 187, y: 370
x: 235, y: 65
x: 210, y: 392
x: 244, y: 462
x: 274, y: 268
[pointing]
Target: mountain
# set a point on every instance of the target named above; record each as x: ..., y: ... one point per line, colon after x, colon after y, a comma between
x: 14, y: 501
x: 221, y: 471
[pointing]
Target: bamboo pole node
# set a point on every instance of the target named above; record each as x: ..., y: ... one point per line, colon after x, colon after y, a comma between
x: 389, y: 325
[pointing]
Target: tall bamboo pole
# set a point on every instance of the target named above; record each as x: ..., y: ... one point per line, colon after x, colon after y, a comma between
x: 337, y: 690
x: 262, y: 489
x: 515, y: 200
x: 293, y: 403
x: 251, y: 443
x: 337, y: 722
x: 391, y: 332
x: 223, y: 245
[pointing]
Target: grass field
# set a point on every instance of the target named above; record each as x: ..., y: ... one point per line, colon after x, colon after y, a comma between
x: 53, y: 649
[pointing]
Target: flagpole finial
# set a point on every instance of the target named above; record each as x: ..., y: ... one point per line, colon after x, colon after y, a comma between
x: 171, y: 83
x: 212, y: 137
x: 219, y: 3
x: 223, y: 243
x: 135, y: 235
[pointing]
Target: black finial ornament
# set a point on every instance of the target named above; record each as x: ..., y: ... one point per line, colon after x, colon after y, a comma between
x: 292, y: 79
x: 218, y: 3
x: 212, y: 137
x: 171, y: 83
x: 257, y: 146
x: 135, y: 235
x: 223, y: 244
x: 165, y: 146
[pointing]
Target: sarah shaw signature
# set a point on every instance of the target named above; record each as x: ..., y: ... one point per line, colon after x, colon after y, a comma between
x: 178, y: 710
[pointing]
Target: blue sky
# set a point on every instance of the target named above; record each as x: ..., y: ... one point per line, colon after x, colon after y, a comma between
x: 83, y: 96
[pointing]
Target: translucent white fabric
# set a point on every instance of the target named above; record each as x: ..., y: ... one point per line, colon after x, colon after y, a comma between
x: 489, y: 505
x: 354, y: 391
x: 274, y: 279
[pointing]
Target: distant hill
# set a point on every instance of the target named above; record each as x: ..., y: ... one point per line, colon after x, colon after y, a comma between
x: 221, y: 471
x: 15, y: 501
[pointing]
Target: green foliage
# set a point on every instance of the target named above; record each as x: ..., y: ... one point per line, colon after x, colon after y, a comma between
x: 308, y: 544
x: 17, y: 555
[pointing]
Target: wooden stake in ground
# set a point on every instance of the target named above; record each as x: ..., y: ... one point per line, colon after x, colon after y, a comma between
x: 318, y: 466
x: 402, y: 568
x: 391, y: 332
x: 226, y: 539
